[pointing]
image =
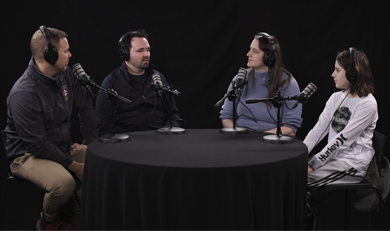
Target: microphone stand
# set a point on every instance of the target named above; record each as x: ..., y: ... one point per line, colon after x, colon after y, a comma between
x: 112, y: 137
x: 87, y: 81
x: 277, y: 138
x: 168, y: 93
x: 232, y: 95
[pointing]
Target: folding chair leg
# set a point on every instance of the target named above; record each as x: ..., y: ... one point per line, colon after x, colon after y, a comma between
x: 380, y: 204
x: 76, y: 196
x: 326, y: 210
x: 2, y: 208
x: 346, y: 211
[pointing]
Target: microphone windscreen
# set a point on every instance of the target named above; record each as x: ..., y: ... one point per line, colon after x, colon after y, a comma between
x: 308, y: 92
x: 157, y: 81
x: 80, y: 73
x: 240, y: 79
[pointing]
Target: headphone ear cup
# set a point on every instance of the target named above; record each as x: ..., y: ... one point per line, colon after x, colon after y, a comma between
x: 269, y: 58
x: 50, y: 54
x: 351, y: 74
x: 123, y: 52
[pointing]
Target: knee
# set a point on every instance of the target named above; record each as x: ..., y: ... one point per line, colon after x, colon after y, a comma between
x: 64, y: 187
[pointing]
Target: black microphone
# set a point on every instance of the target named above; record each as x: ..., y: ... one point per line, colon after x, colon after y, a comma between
x: 80, y: 74
x: 240, y: 79
x: 239, y: 82
x: 87, y: 81
x: 157, y: 83
x: 304, y: 96
x: 249, y: 101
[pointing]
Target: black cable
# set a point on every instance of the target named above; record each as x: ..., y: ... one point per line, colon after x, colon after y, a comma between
x: 247, y: 117
x: 254, y: 117
x: 155, y: 103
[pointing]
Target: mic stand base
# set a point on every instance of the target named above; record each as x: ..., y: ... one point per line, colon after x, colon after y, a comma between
x: 114, y: 138
x: 275, y: 139
x: 171, y: 131
x: 233, y: 131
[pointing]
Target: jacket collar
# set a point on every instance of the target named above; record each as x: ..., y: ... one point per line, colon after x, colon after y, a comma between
x: 33, y: 70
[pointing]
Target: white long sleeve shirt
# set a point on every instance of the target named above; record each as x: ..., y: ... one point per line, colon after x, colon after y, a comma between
x: 350, y: 124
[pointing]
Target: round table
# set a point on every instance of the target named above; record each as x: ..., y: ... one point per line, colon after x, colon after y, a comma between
x: 197, y: 180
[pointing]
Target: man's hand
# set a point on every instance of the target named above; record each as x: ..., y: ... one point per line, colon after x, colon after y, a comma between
x: 309, y: 169
x: 78, y: 147
x: 77, y: 169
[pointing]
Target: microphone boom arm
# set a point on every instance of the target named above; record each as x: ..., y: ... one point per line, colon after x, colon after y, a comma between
x: 110, y: 91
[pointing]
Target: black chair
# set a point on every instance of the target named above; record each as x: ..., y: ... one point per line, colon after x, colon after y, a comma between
x: 21, y: 201
x: 379, y: 143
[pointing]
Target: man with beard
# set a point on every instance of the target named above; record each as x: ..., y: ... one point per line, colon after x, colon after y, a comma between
x: 133, y: 80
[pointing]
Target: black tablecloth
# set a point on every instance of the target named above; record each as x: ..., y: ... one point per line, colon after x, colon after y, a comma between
x: 197, y: 180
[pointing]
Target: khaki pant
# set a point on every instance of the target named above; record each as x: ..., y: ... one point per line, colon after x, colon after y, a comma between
x: 51, y: 177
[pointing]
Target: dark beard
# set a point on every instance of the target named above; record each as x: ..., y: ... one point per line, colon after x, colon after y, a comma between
x: 144, y: 66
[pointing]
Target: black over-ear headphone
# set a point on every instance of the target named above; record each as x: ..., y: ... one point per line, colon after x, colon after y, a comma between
x: 123, y: 48
x: 269, y: 57
x: 350, y: 70
x: 50, y: 52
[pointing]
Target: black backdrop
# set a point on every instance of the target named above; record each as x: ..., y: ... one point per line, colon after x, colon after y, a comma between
x: 200, y: 45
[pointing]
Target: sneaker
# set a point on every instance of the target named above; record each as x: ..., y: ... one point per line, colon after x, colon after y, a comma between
x: 70, y: 224
x: 49, y: 226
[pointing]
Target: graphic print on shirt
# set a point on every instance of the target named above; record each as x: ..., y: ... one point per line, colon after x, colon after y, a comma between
x: 65, y: 92
x: 341, y: 118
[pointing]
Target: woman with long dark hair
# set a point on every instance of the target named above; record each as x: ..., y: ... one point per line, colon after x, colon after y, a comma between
x: 266, y: 76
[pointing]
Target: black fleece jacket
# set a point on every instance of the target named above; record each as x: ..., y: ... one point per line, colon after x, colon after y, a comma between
x: 147, y: 109
x: 39, y: 111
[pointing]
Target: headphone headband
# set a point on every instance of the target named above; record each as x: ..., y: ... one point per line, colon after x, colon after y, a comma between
x: 124, y: 48
x: 350, y: 71
x: 269, y: 57
x: 46, y: 34
x: 123, y: 38
x: 352, y: 53
x: 268, y: 37
x: 50, y: 52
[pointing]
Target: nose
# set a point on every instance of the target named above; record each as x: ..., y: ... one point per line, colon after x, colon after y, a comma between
x: 70, y: 54
x: 333, y: 75
x: 248, y: 54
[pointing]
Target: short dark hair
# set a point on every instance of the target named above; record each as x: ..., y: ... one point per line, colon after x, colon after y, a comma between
x: 38, y: 41
x: 126, y: 38
x: 365, y: 81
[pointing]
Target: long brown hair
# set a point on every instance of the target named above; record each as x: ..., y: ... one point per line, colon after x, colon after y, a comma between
x: 275, y: 72
x: 365, y: 81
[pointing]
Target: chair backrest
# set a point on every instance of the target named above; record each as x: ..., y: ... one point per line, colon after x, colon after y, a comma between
x: 379, y: 143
